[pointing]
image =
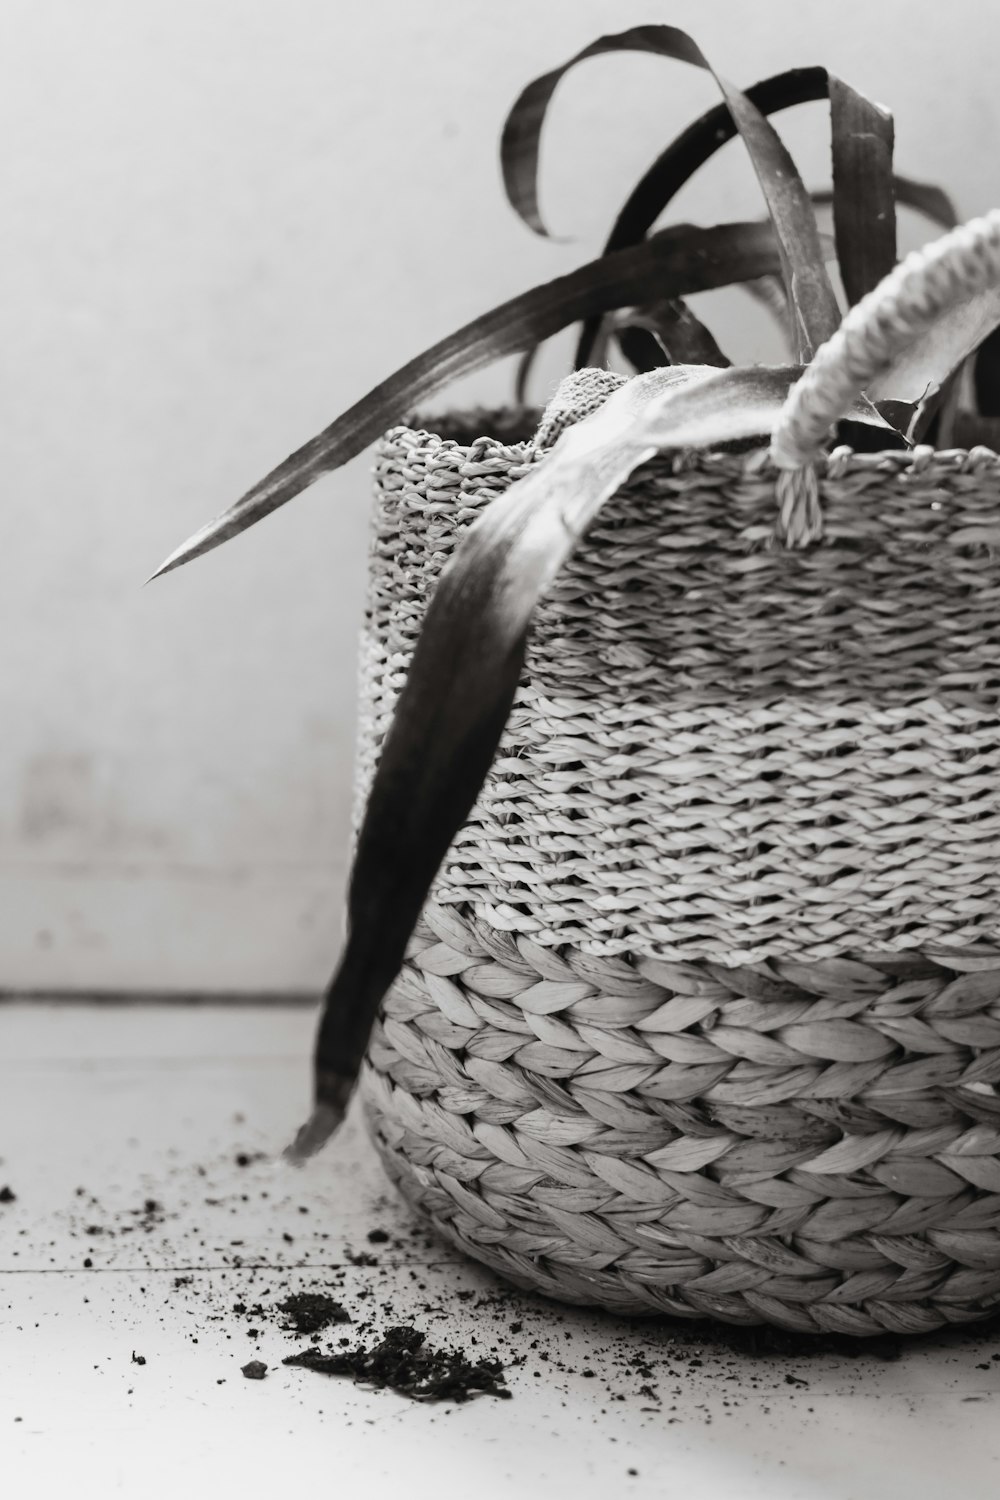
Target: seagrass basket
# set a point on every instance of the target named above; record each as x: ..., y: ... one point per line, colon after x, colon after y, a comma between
x: 703, y: 1015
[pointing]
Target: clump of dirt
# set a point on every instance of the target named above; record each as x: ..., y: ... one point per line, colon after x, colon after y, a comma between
x: 309, y: 1312
x: 255, y: 1369
x: 7, y: 1195
x: 403, y: 1362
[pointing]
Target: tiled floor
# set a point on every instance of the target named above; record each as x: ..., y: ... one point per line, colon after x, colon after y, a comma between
x: 167, y: 1106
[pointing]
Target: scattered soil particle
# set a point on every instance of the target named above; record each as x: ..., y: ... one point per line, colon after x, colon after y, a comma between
x: 378, y: 1237
x: 360, y: 1258
x: 7, y: 1195
x: 402, y: 1362
x: 247, y: 1158
x: 310, y: 1311
x: 255, y: 1370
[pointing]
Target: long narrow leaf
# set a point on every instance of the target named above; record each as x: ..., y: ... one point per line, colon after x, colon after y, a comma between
x: 923, y: 197
x: 675, y: 262
x: 864, y: 208
x: 816, y: 310
x: 679, y: 162
x: 465, y: 669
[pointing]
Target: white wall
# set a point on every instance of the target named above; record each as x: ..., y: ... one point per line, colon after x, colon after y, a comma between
x: 221, y: 221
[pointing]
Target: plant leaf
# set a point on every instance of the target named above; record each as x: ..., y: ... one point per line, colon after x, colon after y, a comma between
x: 676, y: 261
x: 914, y: 417
x: 699, y: 142
x: 864, y: 207
x: 816, y: 310
x: 932, y: 202
x: 922, y: 369
x: 522, y: 374
x: 986, y: 376
x: 666, y: 333
x: 467, y: 663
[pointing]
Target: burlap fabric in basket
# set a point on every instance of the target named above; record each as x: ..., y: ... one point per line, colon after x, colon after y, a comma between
x: 703, y: 1017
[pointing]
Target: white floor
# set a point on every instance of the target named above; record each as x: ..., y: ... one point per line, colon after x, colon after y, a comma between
x: 155, y: 1103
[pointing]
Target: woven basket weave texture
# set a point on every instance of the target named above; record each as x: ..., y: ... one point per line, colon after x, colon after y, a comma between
x: 703, y: 1016
x: 721, y: 749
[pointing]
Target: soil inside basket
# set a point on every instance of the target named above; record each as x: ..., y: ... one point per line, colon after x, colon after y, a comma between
x: 508, y: 425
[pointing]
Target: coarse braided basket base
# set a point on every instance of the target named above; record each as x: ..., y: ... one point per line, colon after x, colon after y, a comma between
x: 703, y: 1015
x: 682, y: 1139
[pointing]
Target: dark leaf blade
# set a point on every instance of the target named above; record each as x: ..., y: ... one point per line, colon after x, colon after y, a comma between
x: 685, y: 155
x: 929, y: 361
x: 641, y: 348
x: 926, y: 199
x: 522, y: 374
x: 670, y: 327
x: 519, y: 141
x: 465, y: 668
x: 986, y: 376
x: 864, y: 205
x: 677, y: 261
x: 923, y: 197
x: 695, y: 146
x: 769, y: 291
x: 816, y: 310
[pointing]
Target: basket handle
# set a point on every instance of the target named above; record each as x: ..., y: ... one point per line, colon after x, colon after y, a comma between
x: 903, y: 306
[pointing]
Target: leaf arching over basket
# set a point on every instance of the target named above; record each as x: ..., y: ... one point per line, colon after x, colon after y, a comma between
x: 466, y: 666
x: 677, y: 261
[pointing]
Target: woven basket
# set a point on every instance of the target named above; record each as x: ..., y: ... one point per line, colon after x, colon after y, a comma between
x: 703, y: 1015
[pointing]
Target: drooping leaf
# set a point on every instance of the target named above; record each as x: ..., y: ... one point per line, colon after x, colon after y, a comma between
x: 675, y: 262
x: 816, y: 311
x: 465, y: 669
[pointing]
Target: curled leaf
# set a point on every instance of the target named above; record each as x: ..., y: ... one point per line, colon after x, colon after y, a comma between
x: 816, y: 311
x: 467, y: 663
x: 678, y: 163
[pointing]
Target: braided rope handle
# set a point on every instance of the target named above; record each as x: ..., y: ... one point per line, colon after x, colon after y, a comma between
x: 905, y: 305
